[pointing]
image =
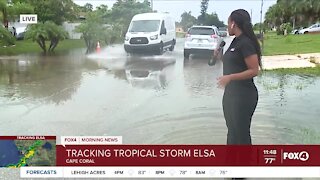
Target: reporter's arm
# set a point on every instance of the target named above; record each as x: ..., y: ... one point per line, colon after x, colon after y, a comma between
x: 252, y: 63
x: 252, y: 71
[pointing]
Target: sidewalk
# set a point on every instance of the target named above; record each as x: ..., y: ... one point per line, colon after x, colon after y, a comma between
x: 290, y: 61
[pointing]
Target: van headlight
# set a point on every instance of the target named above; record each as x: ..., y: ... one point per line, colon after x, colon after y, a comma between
x: 127, y: 38
x: 155, y: 37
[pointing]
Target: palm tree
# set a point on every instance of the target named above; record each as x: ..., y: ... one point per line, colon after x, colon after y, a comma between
x: 274, y: 15
x: 310, y: 9
x: 4, y: 12
x: 39, y: 34
x: 6, y: 37
x: 316, y: 10
x: 299, y: 12
x: 55, y: 34
x: 12, y: 11
x: 47, y: 31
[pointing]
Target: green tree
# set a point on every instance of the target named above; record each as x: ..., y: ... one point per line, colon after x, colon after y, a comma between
x: 285, y: 27
x: 105, y: 13
x: 4, y: 11
x: 92, y: 30
x: 55, y: 35
x: 257, y: 26
x: 11, y: 12
x: 296, y: 12
x: 56, y: 11
x: 310, y: 9
x: 270, y: 16
x: 213, y: 19
x: 203, y: 12
x: 88, y: 7
x: 39, y: 34
x: 123, y: 11
x: 187, y: 20
x: 110, y: 25
x: 18, y: 8
x: 6, y: 37
x: 43, y: 32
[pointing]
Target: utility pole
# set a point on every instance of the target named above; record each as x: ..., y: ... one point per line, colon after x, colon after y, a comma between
x: 261, y: 35
x: 294, y: 19
x: 152, y: 5
x: 251, y: 15
x: 261, y: 17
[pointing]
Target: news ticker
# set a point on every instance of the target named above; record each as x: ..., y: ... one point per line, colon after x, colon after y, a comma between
x: 169, y: 172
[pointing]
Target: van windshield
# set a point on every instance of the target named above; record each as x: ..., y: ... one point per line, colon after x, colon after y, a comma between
x: 145, y: 26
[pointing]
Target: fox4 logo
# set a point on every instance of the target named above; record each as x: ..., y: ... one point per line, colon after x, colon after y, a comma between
x: 302, y: 156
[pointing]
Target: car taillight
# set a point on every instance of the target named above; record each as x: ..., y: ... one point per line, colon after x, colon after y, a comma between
x: 214, y: 36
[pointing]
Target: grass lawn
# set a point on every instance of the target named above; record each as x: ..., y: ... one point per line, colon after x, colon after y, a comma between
x: 291, y: 44
x: 180, y: 34
x: 28, y: 46
x: 298, y: 71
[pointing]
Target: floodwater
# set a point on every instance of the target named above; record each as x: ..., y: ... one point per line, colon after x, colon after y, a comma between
x: 146, y: 99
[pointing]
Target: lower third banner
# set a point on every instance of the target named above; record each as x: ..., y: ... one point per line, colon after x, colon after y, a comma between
x: 188, y: 155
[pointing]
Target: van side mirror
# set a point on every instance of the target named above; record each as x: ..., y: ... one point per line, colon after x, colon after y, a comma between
x: 163, y: 31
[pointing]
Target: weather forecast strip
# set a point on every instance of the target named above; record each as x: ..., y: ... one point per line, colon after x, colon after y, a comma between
x: 19, y: 151
x: 169, y: 172
x: 188, y: 155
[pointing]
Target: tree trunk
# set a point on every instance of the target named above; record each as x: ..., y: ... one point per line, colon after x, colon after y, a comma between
x: 294, y: 23
x: 42, y: 43
x: 92, y: 46
x: 53, y: 44
x: 5, y: 18
x: 89, y: 44
x: 43, y: 49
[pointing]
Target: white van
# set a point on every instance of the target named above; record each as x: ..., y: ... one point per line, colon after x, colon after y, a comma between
x: 150, y: 32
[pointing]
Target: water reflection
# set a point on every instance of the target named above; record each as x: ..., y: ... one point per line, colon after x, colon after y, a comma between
x: 46, y: 78
x: 289, y: 102
x: 280, y: 85
x: 200, y: 78
x: 144, y: 71
x: 149, y: 72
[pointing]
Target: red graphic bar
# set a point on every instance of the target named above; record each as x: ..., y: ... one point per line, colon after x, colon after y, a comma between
x: 27, y: 137
x: 188, y: 155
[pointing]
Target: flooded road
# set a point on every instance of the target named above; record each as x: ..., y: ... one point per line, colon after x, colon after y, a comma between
x: 146, y: 99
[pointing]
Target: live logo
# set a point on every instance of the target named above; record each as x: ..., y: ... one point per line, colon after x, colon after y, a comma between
x: 28, y: 18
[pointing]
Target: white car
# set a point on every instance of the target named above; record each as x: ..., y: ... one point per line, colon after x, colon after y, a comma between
x: 311, y: 29
x: 201, y: 39
x: 18, y: 32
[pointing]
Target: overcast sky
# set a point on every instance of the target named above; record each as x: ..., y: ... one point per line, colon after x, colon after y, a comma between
x: 222, y: 7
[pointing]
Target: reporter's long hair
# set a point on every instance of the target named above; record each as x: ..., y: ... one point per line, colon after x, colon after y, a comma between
x: 242, y: 18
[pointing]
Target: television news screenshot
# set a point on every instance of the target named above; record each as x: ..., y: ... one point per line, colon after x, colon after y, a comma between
x: 159, y: 89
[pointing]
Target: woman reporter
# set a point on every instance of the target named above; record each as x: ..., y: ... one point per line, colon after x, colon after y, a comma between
x: 240, y: 65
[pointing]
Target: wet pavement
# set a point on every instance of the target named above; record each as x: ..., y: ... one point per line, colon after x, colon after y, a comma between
x: 146, y: 99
